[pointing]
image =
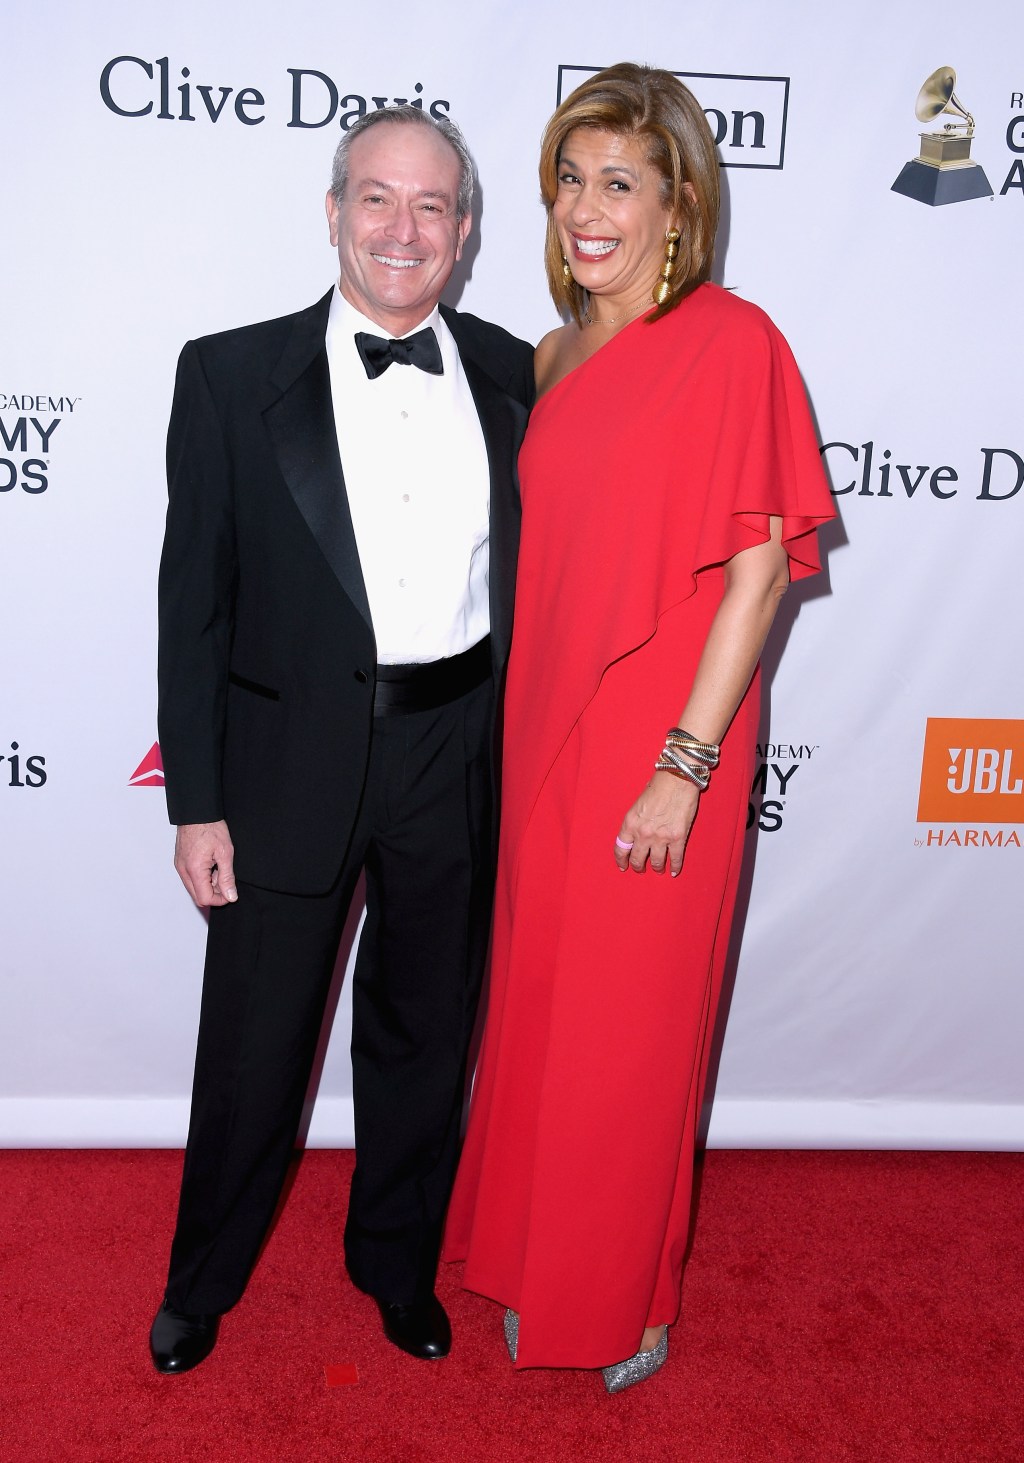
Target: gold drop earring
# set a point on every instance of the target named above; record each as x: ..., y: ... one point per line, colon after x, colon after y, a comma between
x: 566, y: 271
x: 663, y: 289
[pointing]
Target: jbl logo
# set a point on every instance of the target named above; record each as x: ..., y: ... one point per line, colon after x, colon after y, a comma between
x: 982, y: 770
x: 972, y: 769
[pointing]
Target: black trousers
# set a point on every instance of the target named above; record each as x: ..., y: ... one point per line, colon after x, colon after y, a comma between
x: 424, y: 839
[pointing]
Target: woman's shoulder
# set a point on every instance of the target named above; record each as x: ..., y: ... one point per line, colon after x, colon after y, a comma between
x: 555, y: 355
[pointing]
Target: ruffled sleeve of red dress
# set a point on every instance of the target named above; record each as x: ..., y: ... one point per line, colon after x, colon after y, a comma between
x: 764, y: 458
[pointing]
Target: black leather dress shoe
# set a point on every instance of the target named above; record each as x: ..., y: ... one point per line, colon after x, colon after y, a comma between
x: 421, y: 1329
x: 178, y: 1341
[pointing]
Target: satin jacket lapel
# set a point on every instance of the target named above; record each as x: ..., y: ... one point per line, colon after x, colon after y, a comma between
x: 300, y: 421
x: 502, y: 420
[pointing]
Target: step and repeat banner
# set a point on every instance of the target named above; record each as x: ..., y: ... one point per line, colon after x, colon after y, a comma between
x: 164, y: 175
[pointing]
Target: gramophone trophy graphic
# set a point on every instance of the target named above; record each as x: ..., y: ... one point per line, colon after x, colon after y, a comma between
x: 943, y: 171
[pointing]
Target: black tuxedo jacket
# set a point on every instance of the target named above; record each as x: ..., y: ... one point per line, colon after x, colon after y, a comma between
x: 267, y: 654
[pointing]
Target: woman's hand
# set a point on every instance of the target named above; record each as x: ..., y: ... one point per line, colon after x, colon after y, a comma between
x: 658, y: 825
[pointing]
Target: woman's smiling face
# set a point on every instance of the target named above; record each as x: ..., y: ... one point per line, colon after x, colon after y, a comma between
x: 610, y: 214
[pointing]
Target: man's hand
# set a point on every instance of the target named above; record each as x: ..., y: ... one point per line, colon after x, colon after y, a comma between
x: 204, y: 859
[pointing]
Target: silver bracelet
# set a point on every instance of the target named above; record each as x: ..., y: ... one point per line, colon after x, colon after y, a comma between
x: 671, y: 761
x: 684, y: 741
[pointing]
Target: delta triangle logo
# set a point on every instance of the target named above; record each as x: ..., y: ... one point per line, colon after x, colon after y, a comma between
x: 150, y: 771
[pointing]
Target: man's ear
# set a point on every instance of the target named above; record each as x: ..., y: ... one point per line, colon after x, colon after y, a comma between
x: 330, y: 204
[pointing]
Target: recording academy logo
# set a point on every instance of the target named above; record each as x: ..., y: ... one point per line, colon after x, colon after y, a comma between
x: 131, y: 86
x: 777, y: 767
x: 972, y: 773
x: 29, y: 421
x: 747, y: 114
x: 943, y: 171
x: 150, y: 771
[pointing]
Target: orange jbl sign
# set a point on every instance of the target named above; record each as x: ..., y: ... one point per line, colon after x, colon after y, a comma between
x: 973, y: 771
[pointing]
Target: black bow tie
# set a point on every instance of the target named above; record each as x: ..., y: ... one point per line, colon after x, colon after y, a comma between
x: 420, y: 349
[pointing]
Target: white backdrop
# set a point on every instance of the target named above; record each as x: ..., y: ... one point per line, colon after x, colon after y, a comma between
x: 878, y: 994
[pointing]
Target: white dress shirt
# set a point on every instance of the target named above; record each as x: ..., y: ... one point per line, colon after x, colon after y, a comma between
x: 418, y: 482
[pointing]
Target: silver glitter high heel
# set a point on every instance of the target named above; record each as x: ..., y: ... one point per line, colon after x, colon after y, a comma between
x: 636, y: 1368
x: 512, y: 1333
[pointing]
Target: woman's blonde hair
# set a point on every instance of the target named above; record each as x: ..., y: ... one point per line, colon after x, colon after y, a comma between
x: 654, y: 107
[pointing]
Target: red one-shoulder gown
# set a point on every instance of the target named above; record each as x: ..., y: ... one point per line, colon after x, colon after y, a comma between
x: 642, y: 471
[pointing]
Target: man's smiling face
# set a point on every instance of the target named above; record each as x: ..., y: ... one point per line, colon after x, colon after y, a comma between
x: 396, y: 229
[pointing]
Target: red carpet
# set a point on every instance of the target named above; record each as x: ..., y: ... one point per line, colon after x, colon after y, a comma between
x: 861, y: 1306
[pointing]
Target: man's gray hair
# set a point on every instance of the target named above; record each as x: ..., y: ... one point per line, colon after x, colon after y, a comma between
x: 447, y: 129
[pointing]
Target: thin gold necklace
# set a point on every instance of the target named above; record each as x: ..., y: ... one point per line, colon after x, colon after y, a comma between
x: 644, y: 304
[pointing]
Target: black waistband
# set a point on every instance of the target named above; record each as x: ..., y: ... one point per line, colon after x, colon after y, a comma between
x: 404, y: 688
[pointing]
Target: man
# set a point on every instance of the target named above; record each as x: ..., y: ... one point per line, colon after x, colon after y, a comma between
x: 336, y: 604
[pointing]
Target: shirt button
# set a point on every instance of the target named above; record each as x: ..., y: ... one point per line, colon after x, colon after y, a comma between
x: 361, y: 677
x: 401, y: 584
x: 405, y: 497
x: 403, y: 415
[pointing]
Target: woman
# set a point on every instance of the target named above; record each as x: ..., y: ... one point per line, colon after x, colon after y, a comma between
x: 671, y: 487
